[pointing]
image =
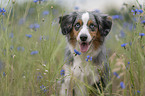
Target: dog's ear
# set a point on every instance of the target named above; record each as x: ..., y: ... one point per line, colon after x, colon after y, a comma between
x: 66, y: 22
x: 104, y: 23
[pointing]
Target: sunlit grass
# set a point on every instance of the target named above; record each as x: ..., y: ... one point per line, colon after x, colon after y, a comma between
x: 38, y: 73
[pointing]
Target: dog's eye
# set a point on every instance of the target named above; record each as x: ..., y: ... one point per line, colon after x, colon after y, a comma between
x: 77, y: 26
x: 92, y: 26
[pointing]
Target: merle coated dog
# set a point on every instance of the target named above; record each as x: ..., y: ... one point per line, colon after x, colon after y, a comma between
x: 85, y: 32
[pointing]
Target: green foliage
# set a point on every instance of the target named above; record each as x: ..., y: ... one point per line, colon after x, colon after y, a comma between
x: 36, y: 74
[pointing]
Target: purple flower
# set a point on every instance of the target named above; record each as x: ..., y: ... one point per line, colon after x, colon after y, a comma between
x: 28, y: 35
x: 43, y: 88
x: 2, y: 11
x: 45, y: 12
x: 34, y: 26
x: 143, y: 21
x: 123, y: 45
x: 138, y: 91
x: 117, y: 17
x: 62, y: 72
x: 140, y: 11
x: 34, y: 52
x: 4, y: 74
x: 76, y: 8
x: 122, y: 85
x: 11, y: 35
x: 134, y: 11
x: 20, y: 48
x: 116, y: 74
x: 141, y: 34
x: 89, y: 58
x: 128, y: 63
x: 77, y: 52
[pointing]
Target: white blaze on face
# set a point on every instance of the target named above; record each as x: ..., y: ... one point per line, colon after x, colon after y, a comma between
x: 84, y: 30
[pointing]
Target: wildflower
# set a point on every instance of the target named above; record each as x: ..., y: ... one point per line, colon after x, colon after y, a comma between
x: 34, y: 26
x: 2, y: 11
x: 117, y: 17
x: 20, y: 48
x: 141, y: 34
x: 124, y: 45
x: 28, y: 35
x: 122, y: 85
x: 138, y: 91
x: 22, y: 21
x: 11, y: 35
x: 62, y: 72
x: 43, y: 88
x: 45, y: 12
x: 35, y: 1
x: 4, y: 74
x: 128, y: 63
x: 116, y: 74
x: 140, y: 11
x: 89, y: 58
x: 76, y: 8
x: 34, y: 52
x: 122, y: 34
x: 143, y: 21
x: 77, y: 52
x: 134, y: 11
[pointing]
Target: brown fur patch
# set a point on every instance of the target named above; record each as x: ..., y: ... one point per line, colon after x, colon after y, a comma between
x: 95, y: 35
x: 74, y: 34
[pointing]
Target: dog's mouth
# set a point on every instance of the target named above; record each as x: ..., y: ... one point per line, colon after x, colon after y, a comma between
x: 84, y: 46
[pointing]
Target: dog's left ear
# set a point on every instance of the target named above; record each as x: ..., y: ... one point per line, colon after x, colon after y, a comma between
x: 104, y: 23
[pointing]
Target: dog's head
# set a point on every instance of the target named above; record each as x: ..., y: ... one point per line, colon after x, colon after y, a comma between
x: 85, y: 30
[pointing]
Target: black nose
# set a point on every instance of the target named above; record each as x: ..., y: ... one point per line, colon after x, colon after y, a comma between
x: 83, y: 37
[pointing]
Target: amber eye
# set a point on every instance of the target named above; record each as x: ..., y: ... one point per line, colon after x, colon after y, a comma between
x: 77, y: 26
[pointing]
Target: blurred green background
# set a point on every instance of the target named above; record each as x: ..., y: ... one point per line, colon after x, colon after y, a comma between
x: 32, y: 48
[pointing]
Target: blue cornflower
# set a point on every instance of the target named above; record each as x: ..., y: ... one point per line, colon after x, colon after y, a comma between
x: 77, y: 52
x: 122, y: 34
x: 140, y: 11
x: 34, y: 52
x: 34, y: 26
x: 4, y: 74
x: 62, y: 72
x: 138, y: 91
x: 123, y: 45
x: 11, y: 35
x: 20, y: 48
x: 35, y: 1
x: 134, y: 11
x: 45, y: 12
x: 141, y: 34
x: 128, y: 63
x: 2, y: 11
x: 117, y: 17
x: 89, y: 58
x: 22, y: 21
x: 122, y: 85
x: 76, y: 8
x: 28, y: 35
x: 43, y: 88
x: 116, y: 74
x: 143, y: 21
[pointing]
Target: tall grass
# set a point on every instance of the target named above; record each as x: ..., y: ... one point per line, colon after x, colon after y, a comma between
x: 31, y: 65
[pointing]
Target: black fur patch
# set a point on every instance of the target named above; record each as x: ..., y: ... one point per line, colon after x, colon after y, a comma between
x: 104, y: 24
x: 66, y: 22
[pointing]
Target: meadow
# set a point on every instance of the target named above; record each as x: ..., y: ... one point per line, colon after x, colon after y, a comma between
x: 32, y: 50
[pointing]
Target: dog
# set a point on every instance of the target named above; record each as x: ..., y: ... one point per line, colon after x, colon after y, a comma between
x: 85, y: 33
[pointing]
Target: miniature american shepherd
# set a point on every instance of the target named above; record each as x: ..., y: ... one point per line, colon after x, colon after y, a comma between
x: 85, y: 54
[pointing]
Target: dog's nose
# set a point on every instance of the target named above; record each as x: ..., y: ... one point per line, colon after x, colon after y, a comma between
x: 83, y: 37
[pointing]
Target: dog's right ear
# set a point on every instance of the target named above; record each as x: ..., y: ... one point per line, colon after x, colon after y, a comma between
x: 66, y: 22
